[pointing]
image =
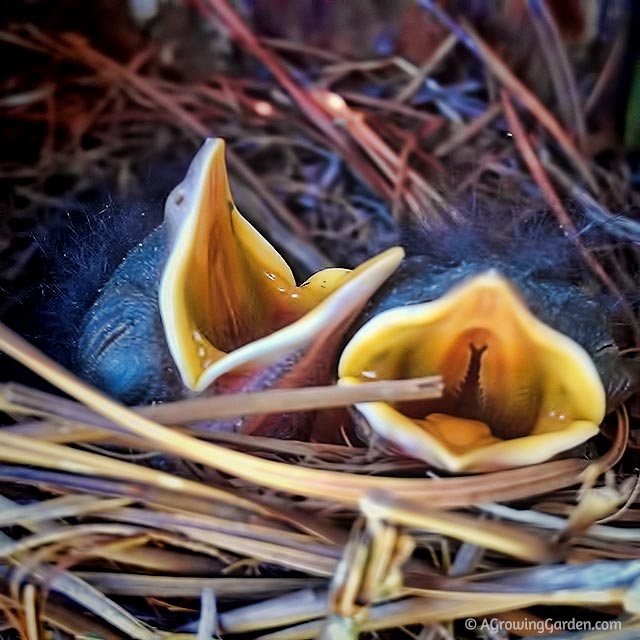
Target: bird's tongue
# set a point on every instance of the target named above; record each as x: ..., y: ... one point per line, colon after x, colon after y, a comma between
x: 475, y: 404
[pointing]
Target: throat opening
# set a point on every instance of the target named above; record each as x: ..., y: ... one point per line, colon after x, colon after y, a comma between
x: 468, y: 395
x: 478, y: 386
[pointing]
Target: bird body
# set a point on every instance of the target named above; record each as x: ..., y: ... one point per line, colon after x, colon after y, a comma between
x: 122, y: 348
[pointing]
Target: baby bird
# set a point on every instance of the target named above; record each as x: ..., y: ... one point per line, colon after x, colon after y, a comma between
x: 528, y: 362
x: 205, y: 303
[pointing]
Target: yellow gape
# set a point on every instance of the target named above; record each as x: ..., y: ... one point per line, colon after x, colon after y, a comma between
x: 517, y: 392
x: 227, y: 297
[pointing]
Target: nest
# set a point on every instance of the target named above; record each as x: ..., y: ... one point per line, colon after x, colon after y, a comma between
x: 116, y: 526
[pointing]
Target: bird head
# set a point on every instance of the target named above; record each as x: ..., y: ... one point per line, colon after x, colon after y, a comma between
x: 516, y: 390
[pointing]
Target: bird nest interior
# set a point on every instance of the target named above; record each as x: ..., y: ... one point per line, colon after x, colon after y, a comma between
x: 433, y: 436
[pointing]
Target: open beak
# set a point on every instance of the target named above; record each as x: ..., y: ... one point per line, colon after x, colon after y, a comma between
x: 517, y: 392
x: 227, y: 298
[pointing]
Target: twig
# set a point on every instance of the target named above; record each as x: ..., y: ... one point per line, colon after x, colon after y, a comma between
x: 611, y: 457
x: 498, y: 536
x: 301, y: 48
x: 290, y: 400
x: 247, y: 404
x: 443, y: 50
x: 463, y: 134
x: 559, y: 68
x: 610, y: 68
